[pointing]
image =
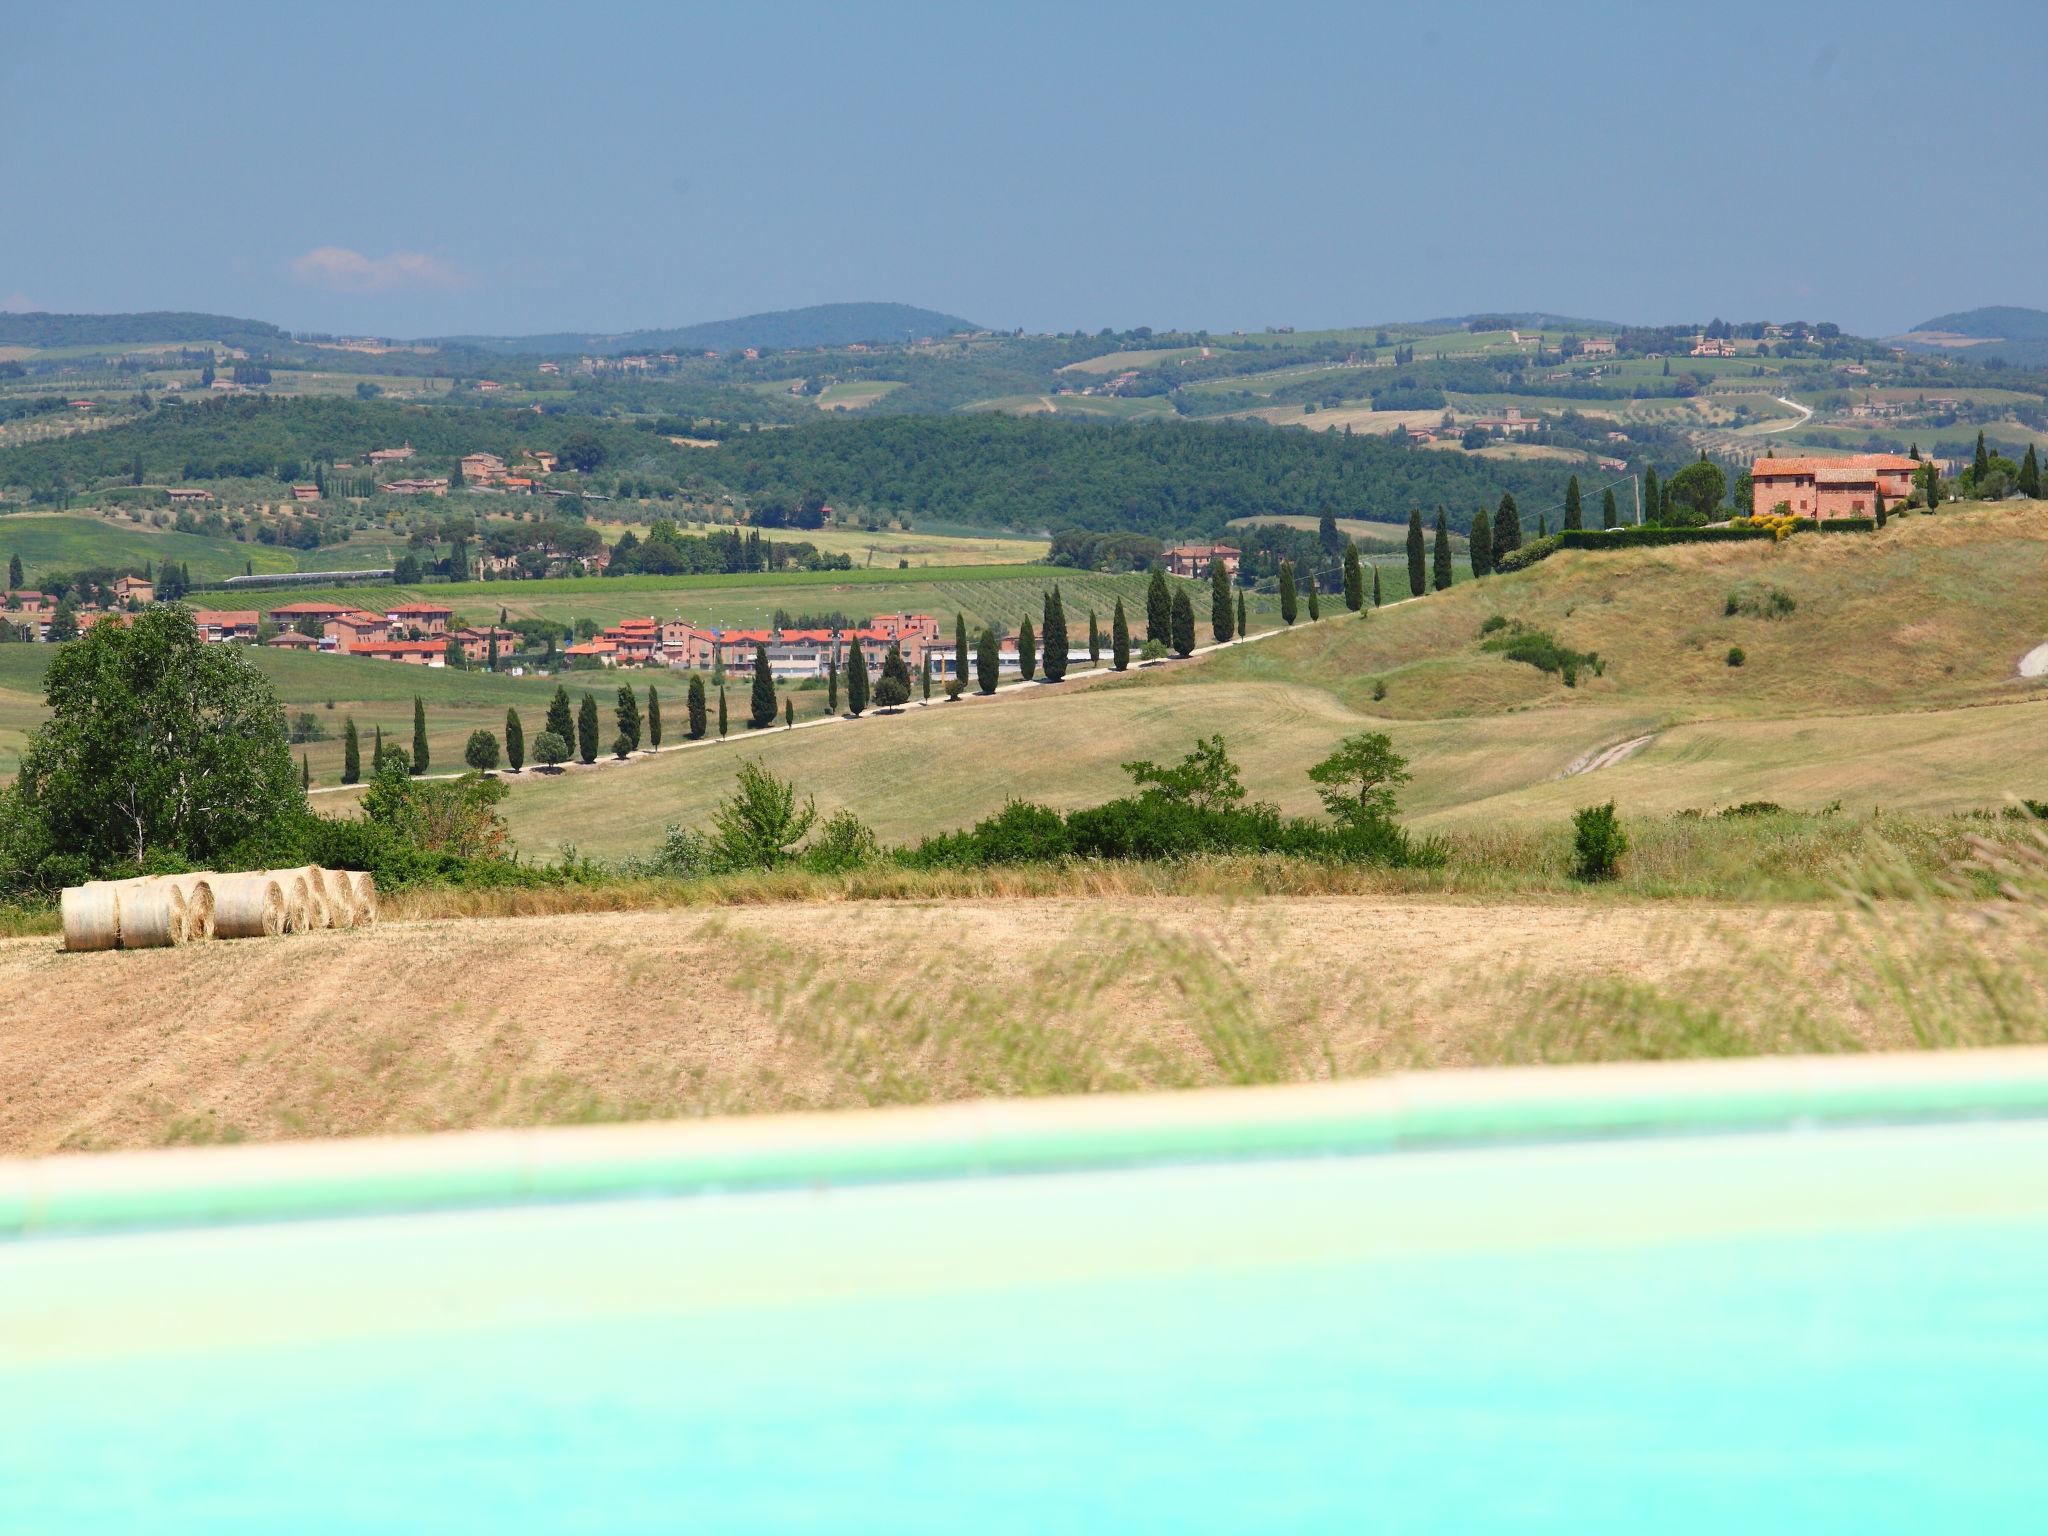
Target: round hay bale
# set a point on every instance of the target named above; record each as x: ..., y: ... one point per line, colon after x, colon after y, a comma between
x: 341, y: 897
x: 319, y: 911
x: 92, y: 916
x: 198, y: 893
x: 298, y: 900
x: 153, y: 914
x: 365, y: 885
x: 247, y: 907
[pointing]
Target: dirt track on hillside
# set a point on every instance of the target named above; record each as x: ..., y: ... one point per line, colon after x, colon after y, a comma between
x: 435, y: 1025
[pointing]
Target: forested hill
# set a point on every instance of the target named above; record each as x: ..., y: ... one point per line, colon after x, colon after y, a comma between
x: 158, y: 325
x: 820, y: 325
x: 2008, y: 333
x: 1166, y: 478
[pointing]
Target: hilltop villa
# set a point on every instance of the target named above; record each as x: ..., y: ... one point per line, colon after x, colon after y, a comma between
x: 1824, y: 488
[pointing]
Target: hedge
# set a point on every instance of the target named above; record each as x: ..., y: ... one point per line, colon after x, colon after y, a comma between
x: 1642, y: 537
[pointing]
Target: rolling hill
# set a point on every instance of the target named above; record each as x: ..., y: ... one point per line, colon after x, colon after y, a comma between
x: 818, y: 325
x: 37, y: 329
x: 2011, y: 333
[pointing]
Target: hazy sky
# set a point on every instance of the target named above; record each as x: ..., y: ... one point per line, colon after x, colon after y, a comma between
x: 431, y: 168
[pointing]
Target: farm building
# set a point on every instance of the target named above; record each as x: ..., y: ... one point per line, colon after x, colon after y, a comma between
x: 1824, y: 488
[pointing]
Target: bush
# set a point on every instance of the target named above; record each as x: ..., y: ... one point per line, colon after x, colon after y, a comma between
x: 1597, y: 843
x: 622, y: 746
x: 481, y: 753
x: 891, y: 693
x: 1766, y: 602
x: 1155, y: 650
x: 1737, y: 656
x: 1538, y: 649
x: 550, y: 750
x: 844, y: 843
x: 1494, y: 622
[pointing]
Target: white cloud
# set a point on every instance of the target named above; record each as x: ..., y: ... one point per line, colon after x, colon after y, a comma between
x: 341, y: 270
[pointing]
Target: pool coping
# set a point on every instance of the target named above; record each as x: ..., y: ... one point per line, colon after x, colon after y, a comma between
x: 115, y: 1191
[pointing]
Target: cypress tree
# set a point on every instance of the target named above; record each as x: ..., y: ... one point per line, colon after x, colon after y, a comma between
x: 1877, y: 509
x: 561, y: 719
x: 626, y: 711
x: 1610, y: 517
x: 2030, y: 475
x: 895, y: 669
x: 988, y: 662
x: 762, y: 710
x: 1287, y: 603
x: 515, y: 740
x: 1119, y: 639
x: 1354, y: 577
x: 1375, y: 586
x: 653, y: 717
x: 1094, y: 640
x: 1980, y: 462
x: 491, y: 663
x: 832, y: 686
x: 586, y: 728
x: 351, y: 753
x: 723, y: 722
x: 1542, y: 526
x: 1442, y: 561
x: 1507, y: 529
x: 419, y: 734
x: 1418, y: 580
x: 960, y: 649
x: 695, y: 708
x: 1243, y: 628
x: 14, y: 577
x: 1219, y: 602
x: 1315, y: 601
x: 1652, y: 506
x: 927, y: 677
x: 1027, y: 650
x: 1479, y: 543
x: 1183, y: 622
x: 789, y: 714
x: 377, y: 751
x: 856, y: 680
x: 1158, y: 609
x: 1932, y: 487
x: 1664, y: 504
x: 305, y: 772
x: 1055, y: 636
x: 1574, y: 518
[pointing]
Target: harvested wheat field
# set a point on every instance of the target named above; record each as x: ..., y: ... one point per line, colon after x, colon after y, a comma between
x: 444, y: 1024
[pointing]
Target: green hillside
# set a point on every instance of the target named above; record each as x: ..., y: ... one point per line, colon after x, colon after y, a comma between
x: 73, y: 543
x: 818, y: 325
x: 38, y: 329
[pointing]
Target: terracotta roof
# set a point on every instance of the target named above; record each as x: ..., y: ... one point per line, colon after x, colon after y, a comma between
x: 309, y: 610
x: 420, y: 608
x: 1774, y: 469
x: 224, y: 617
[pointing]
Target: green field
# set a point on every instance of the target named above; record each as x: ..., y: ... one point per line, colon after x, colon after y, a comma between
x: 852, y: 394
x: 69, y: 543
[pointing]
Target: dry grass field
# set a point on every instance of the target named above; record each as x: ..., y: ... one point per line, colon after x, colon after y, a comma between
x: 444, y: 1024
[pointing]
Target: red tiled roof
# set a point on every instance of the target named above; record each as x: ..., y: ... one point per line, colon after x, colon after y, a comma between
x: 422, y: 609
x: 1774, y: 469
x: 221, y: 618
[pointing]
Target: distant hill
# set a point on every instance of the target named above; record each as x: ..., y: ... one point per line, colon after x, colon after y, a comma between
x: 820, y: 325
x: 169, y: 326
x: 2010, y: 332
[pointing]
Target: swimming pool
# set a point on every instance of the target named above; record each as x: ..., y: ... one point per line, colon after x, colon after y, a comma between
x: 1822, y: 1321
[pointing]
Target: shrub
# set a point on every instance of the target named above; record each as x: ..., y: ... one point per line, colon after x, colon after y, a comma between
x: 1597, y: 843
x: 891, y: 693
x: 549, y: 750
x: 622, y: 746
x: 1759, y: 602
x: 1155, y: 650
x: 1751, y: 808
x: 759, y: 824
x: 481, y: 752
x: 1493, y: 623
x: 844, y: 843
x: 1736, y: 656
x: 1540, y: 650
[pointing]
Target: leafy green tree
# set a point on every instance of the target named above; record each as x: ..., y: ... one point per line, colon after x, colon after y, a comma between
x: 759, y: 825
x: 561, y: 717
x: 1610, y: 516
x: 156, y: 744
x: 1183, y: 622
x: 763, y: 707
x: 626, y: 714
x: 897, y: 670
x: 1354, y: 577
x: 1054, y: 636
x: 351, y: 753
x: 64, y: 622
x: 419, y: 735
x: 653, y: 717
x: 988, y: 662
x: 1119, y: 639
x: 1358, y: 780
x: 1574, y: 514
x: 1158, y: 608
x: 1697, y: 489
x: 550, y: 749
x: 1479, y: 543
x: 1206, y: 779
x: 1327, y: 536
x: 1443, y: 572
x: 1027, y: 650
x: 481, y: 751
x: 586, y: 729
x: 1288, y: 606
x: 1418, y: 576
x: 696, y: 709
x: 1507, y: 529
x: 515, y: 741
x: 856, y: 680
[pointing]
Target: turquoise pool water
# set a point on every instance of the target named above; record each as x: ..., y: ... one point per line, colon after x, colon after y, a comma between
x: 1816, y: 1331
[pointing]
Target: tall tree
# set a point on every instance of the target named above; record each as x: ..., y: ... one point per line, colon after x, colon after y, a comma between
x: 856, y: 680
x: 515, y: 740
x: 988, y: 661
x: 1479, y: 543
x: 960, y: 649
x: 696, y: 708
x: 1507, y: 529
x: 1243, y: 629
x: 1354, y: 577
x: 561, y: 716
x: 351, y: 753
x: 1094, y: 640
x: 1610, y: 516
x: 586, y: 728
x: 1027, y: 650
x: 14, y: 577
x: 419, y: 734
x: 1877, y: 509
x: 1054, y: 639
x: 1375, y: 586
x: 1220, y: 613
x: 724, y: 721
x: 1442, y: 561
x: 1119, y: 638
x: 1980, y: 462
x: 789, y: 714
x: 1313, y: 587
x: 1158, y: 609
x: 832, y: 684
x: 626, y: 711
x: 1653, y: 503
x: 1183, y: 622
x: 763, y: 709
x: 653, y: 717
x: 305, y: 771
x: 1287, y: 595
x: 1574, y: 516
x: 926, y: 678
x: 2030, y: 475
x: 1418, y: 575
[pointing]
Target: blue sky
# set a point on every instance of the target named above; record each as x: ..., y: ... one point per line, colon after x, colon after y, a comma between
x: 433, y: 168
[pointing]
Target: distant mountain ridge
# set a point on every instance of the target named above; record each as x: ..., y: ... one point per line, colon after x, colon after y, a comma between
x: 169, y: 326
x: 2011, y: 333
x: 818, y: 325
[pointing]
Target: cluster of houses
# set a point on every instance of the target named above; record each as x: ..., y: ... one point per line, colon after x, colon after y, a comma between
x: 32, y: 613
x: 793, y: 654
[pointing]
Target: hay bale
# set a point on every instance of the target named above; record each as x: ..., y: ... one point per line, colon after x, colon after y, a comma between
x: 341, y: 897
x: 199, y: 900
x: 247, y: 907
x: 153, y: 914
x: 298, y: 898
x: 92, y: 916
x: 319, y: 910
x: 365, y: 887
